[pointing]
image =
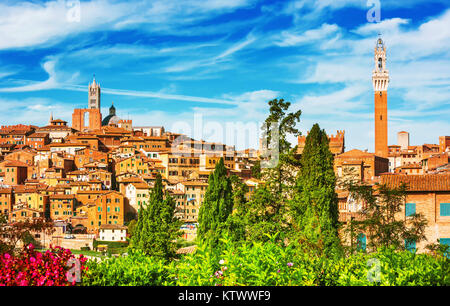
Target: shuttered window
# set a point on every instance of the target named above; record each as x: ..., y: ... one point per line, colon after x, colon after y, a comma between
x: 445, y: 210
x: 410, y: 245
x: 361, y: 242
x: 445, y: 241
x: 410, y: 209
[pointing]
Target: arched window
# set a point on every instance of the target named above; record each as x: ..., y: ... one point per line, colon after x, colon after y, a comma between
x: 380, y: 64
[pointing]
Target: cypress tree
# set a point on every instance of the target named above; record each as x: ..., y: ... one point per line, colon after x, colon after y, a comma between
x: 157, y: 228
x: 315, y: 206
x: 217, y: 207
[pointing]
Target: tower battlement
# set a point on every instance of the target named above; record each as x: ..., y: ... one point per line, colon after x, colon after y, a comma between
x: 336, y: 142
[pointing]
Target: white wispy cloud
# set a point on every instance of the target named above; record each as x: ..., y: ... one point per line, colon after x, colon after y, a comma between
x: 295, y: 37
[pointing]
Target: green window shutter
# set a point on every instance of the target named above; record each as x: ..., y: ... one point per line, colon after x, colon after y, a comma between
x: 361, y: 242
x: 445, y: 241
x: 410, y: 209
x: 410, y: 245
x: 445, y: 210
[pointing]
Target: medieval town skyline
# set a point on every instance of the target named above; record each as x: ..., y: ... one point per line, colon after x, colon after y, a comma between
x: 237, y: 56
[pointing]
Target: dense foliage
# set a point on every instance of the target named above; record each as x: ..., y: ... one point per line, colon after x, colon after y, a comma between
x: 271, y: 263
x: 32, y: 268
x: 157, y: 228
x: 136, y: 269
x: 216, y: 208
x: 267, y: 210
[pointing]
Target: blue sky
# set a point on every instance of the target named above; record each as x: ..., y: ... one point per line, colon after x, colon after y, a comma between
x: 218, y: 62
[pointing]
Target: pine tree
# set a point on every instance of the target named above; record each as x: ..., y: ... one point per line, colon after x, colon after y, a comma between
x: 157, y: 228
x: 217, y: 207
x: 315, y: 206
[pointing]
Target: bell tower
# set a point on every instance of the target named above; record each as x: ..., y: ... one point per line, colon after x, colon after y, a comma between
x: 380, y: 82
x: 94, y: 95
x: 88, y: 119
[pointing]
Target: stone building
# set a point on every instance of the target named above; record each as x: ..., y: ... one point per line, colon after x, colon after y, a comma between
x: 428, y: 195
x: 336, y: 143
x: 360, y: 164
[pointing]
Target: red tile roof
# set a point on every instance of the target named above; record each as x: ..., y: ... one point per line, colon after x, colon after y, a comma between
x: 425, y: 182
x: 15, y: 163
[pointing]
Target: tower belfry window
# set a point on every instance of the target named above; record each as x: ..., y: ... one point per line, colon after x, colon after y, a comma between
x: 380, y: 64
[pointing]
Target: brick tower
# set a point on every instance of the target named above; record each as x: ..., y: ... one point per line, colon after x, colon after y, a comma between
x: 380, y: 81
x: 88, y: 119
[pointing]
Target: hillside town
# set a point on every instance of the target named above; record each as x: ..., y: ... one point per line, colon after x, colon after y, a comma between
x: 91, y: 177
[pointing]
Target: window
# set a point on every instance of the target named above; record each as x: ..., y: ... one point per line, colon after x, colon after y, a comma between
x: 410, y: 209
x: 410, y: 245
x: 361, y: 242
x: 445, y: 210
x: 445, y: 241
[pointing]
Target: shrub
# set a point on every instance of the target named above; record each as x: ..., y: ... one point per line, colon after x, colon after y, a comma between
x: 272, y: 264
x: 136, y: 269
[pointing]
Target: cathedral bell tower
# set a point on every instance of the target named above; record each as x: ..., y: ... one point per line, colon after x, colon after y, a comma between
x: 94, y: 95
x: 380, y: 82
x: 89, y: 119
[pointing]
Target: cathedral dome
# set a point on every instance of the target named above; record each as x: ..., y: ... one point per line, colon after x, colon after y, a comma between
x: 111, y: 118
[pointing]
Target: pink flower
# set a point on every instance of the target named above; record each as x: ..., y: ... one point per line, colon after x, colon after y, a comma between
x: 290, y: 264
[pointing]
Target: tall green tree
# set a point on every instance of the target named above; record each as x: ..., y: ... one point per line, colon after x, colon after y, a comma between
x: 286, y: 123
x: 266, y: 213
x: 377, y: 218
x: 280, y: 123
x: 217, y: 207
x: 157, y: 228
x: 315, y: 205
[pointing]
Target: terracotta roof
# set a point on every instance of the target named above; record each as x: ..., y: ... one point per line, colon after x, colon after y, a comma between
x: 356, y: 153
x: 62, y: 196
x: 140, y: 185
x: 75, y: 172
x: 176, y: 191
x: 425, y: 182
x: 25, y: 188
x: 78, y: 183
x: 131, y: 180
x: 38, y: 135
x: 92, y: 191
x: 5, y: 190
x: 194, y: 183
x: 412, y: 166
x: 15, y: 163
x: 68, y: 144
x: 113, y: 226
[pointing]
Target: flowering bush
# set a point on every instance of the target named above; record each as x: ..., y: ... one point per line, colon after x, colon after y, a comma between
x: 54, y: 267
